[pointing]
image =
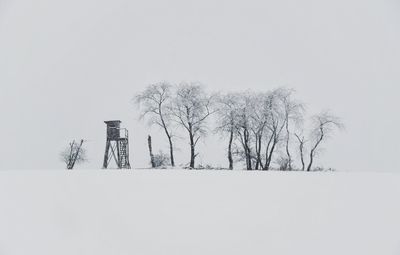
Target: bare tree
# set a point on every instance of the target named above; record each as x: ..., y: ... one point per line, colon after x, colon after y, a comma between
x: 191, y: 108
x: 259, y: 120
x: 73, y: 154
x: 244, y: 126
x: 276, y: 122
x: 323, y: 126
x: 293, y: 112
x: 155, y: 102
x: 227, y: 116
x: 258, y: 123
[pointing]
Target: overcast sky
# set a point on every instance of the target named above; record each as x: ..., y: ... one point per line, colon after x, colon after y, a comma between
x: 66, y: 66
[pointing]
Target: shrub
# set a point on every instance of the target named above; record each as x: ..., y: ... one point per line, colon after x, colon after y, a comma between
x: 161, y: 160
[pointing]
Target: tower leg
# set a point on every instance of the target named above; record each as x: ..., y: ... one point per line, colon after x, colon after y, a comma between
x: 106, y: 153
x: 113, y: 148
x: 119, y: 162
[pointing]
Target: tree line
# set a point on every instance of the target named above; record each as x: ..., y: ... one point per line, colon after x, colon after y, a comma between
x: 261, y: 128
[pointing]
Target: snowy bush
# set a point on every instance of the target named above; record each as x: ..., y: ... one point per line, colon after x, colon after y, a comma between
x: 161, y: 160
x: 283, y: 163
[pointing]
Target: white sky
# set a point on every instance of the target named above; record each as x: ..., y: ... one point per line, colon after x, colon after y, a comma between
x: 65, y: 66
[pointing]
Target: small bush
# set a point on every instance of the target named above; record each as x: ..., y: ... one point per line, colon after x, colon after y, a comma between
x: 283, y: 163
x: 208, y: 167
x: 161, y: 160
x: 322, y: 169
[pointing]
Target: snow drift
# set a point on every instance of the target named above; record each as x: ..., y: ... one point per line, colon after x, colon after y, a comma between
x: 198, y: 212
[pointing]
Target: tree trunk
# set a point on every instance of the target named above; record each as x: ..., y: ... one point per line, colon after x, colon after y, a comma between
x: 245, y: 144
x: 257, y: 154
x: 301, y: 150
x: 247, y: 150
x: 171, y: 147
x: 230, y: 158
x: 192, y: 148
x: 171, y: 152
x: 302, y: 157
x: 192, y: 153
x: 153, y: 165
x: 287, y: 146
x: 311, y: 162
x: 312, y: 152
x: 259, y: 163
x: 269, y: 155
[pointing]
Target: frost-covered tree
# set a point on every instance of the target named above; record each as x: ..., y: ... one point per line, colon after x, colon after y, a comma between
x: 227, y: 108
x: 244, y: 126
x: 191, y: 107
x: 293, y: 113
x: 275, y: 115
x: 258, y: 122
x: 258, y: 119
x: 262, y: 119
x: 155, y: 104
x: 323, y: 125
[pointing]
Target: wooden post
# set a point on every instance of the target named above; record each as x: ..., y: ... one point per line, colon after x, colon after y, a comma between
x: 153, y: 165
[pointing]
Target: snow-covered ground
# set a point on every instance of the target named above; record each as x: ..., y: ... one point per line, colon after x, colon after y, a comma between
x: 198, y: 212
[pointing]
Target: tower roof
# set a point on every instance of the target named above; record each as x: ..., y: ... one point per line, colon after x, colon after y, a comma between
x: 112, y: 121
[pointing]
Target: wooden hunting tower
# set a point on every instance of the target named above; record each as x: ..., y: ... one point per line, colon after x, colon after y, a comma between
x: 117, y: 145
